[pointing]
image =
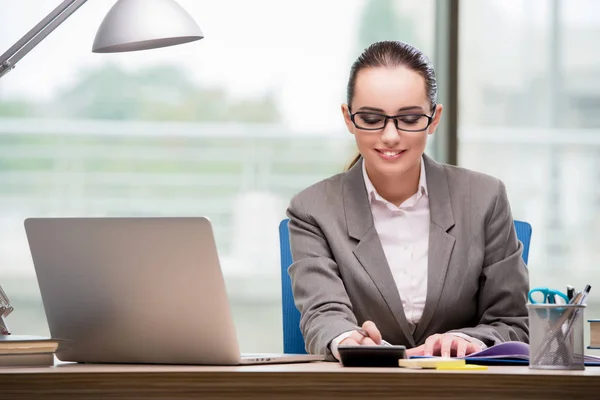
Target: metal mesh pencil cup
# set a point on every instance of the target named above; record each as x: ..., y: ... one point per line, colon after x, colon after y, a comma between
x: 556, y: 336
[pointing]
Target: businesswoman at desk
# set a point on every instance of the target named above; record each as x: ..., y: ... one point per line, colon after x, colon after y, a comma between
x: 414, y: 252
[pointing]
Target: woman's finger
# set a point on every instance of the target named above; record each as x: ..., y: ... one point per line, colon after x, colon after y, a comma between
x: 430, y: 344
x: 368, y: 342
x: 349, y: 341
x: 461, y: 348
x: 472, y: 348
x: 416, y: 351
x: 371, y: 330
x: 447, y: 342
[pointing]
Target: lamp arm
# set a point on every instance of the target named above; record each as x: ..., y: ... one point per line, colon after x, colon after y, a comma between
x: 5, y: 309
x: 16, y: 52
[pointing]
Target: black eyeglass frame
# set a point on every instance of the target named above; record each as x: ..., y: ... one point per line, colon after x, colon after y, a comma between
x: 394, y: 118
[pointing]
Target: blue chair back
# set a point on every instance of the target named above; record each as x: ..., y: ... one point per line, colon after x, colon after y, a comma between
x: 524, y: 235
x: 293, y: 342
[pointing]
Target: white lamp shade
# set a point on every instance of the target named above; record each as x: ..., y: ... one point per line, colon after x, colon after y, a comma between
x: 132, y: 25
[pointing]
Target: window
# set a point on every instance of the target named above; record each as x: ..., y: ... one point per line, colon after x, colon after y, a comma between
x: 529, y: 105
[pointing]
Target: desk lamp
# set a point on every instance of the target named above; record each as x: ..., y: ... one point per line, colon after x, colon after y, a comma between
x: 130, y: 25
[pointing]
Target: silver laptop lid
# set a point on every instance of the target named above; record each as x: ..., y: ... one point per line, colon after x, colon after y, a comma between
x: 134, y: 290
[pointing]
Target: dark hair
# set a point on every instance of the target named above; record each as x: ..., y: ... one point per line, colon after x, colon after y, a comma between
x: 393, y: 54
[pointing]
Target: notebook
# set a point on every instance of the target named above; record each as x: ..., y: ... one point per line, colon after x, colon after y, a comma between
x: 511, y: 353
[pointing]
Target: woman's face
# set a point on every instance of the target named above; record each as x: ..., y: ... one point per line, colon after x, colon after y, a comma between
x: 390, y: 91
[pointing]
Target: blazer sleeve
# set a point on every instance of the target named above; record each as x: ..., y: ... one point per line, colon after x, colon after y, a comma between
x: 319, y: 292
x: 504, y: 281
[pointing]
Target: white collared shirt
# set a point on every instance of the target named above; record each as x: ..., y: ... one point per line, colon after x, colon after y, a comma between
x: 404, y: 234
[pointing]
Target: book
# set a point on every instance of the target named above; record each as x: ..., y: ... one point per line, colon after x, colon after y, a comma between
x: 440, y: 363
x: 22, y: 344
x: 511, y: 353
x: 435, y: 362
x: 594, y: 333
x: 27, y: 360
x: 22, y: 350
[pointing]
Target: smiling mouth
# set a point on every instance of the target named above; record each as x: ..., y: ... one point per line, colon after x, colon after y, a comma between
x: 390, y: 153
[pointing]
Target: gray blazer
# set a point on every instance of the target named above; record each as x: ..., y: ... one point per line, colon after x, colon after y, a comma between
x: 477, y: 280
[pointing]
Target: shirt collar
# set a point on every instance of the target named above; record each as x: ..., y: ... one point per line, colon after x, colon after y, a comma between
x: 422, y: 190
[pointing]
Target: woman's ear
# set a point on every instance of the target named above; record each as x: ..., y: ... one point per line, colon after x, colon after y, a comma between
x: 436, y: 118
x: 347, y: 120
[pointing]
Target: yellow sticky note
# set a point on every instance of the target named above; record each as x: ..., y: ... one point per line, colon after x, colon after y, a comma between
x: 435, y: 362
x: 467, y: 367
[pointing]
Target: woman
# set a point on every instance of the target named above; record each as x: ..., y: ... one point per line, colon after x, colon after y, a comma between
x: 413, y: 252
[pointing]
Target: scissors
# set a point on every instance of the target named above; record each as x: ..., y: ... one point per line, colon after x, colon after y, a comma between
x: 550, y: 296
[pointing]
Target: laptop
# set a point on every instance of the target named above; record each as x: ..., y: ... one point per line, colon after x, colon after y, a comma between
x: 137, y: 290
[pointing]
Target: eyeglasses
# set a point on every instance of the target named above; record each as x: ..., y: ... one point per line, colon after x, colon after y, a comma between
x: 370, y: 121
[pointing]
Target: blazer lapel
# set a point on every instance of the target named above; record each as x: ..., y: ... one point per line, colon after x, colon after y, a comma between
x: 441, y: 242
x: 369, y: 251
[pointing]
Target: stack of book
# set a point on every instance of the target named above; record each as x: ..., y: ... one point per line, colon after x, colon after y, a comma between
x: 17, y: 350
x: 594, y: 334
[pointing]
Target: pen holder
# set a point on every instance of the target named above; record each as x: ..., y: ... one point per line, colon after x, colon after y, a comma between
x: 556, y: 336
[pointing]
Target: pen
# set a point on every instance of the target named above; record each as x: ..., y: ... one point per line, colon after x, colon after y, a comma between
x: 570, y: 292
x: 578, y: 300
x: 365, y: 334
x: 586, y: 291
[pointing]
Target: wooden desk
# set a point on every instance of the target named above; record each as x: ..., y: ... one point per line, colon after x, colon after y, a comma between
x: 293, y: 381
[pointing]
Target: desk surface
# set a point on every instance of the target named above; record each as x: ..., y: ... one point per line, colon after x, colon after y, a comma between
x: 293, y: 381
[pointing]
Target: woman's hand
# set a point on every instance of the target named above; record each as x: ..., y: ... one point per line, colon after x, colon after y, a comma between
x: 445, y: 345
x: 373, y: 336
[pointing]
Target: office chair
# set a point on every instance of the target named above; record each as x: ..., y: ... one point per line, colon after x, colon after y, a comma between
x: 293, y: 342
x: 524, y: 235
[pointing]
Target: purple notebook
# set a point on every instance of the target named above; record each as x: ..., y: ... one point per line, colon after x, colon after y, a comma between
x: 506, y: 350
